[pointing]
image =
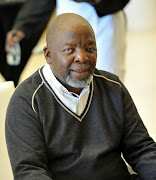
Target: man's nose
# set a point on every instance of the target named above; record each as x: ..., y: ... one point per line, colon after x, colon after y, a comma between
x: 81, y: 56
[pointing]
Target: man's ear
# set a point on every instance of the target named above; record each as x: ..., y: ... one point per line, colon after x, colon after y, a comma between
x: 47, y: 54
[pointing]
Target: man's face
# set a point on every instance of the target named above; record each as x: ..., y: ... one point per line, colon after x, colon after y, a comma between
x: 73, y: 56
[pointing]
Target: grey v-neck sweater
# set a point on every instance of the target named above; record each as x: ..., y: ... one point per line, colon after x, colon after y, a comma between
x: 47, y: 141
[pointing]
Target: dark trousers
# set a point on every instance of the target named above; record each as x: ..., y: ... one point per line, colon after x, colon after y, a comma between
x: 8, y: 14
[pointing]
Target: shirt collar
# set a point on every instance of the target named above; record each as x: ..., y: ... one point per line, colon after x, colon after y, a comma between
x: 49, y: 76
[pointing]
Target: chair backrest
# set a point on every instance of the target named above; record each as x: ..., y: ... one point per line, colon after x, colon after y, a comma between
x: 6, y: 91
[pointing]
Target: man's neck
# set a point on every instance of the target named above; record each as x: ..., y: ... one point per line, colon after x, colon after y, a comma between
x: 74, y: 90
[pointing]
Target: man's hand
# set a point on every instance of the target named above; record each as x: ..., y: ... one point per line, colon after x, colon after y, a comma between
x: 92, y: 2
x: 12, y: 37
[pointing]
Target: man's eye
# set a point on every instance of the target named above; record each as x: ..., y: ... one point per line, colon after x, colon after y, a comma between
x: 91, y: 50
x: 68, y: 50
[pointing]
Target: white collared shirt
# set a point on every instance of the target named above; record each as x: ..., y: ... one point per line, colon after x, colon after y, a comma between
x: 74, y: 102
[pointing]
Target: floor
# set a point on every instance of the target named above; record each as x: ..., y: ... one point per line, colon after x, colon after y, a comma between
x: 140, y: 73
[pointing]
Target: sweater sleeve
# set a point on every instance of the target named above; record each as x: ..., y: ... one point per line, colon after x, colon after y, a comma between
x: 138, y: 148
x: 25, y: 140
x: 33, y: 15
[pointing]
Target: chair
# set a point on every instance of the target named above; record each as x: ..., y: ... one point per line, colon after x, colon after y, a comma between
x: 6, y: 90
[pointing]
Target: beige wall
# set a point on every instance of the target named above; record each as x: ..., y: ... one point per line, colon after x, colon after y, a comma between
x: 6, y: 90
x: 141, y: 15
x: 141, y: 54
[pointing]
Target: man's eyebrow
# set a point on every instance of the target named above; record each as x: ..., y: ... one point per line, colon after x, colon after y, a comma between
x: 73, y: 44
x: 68, y: 44
x: 92, y: 43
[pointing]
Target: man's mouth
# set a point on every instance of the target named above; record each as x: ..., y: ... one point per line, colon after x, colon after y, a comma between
x: 80, y: 72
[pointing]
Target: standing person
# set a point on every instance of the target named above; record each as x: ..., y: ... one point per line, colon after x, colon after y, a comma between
x: 108, y: 21
x: 106, y: 17
x: 25, y: 24
x: 71, y: 121
x: 6, y: 22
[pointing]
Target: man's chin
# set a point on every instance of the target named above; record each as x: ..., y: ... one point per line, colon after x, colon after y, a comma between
x: 80, y: 82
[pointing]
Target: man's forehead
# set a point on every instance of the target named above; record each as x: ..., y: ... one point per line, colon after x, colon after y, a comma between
x: 73, y: 26
x: 75, y: 31
x: 72, y: 37
x: 74, y: 43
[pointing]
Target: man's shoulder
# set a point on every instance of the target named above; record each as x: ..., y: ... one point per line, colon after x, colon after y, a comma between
x: 29, y: 85
x: 106, y: 77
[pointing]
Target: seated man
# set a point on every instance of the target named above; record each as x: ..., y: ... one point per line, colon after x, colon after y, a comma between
x: 71, y: 121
